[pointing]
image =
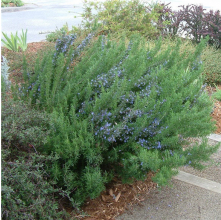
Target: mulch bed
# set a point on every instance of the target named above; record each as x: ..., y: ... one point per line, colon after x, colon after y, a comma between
x: 216, y: 114
x: 117, y: 197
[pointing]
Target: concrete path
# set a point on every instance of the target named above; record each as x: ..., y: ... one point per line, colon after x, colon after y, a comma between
x: 183, y: 201
x: 194, y: 195
x: 199, y: 181
x: 215, y: 137
x: 41, y: 17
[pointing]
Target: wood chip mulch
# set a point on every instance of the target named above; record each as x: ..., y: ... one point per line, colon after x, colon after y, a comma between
x: 117, y: 198
x: 216, y: 114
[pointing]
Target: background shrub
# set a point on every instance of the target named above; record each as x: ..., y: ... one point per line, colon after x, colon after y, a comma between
x: 212, y: 27
x: 120, y: 16
x: 197, y: 23
x: 169, y: 21
x: 58, y: 33
x: 211, y: 57
x: 150, y: 20
x: 124, y: 108
x: 193, y: 21
x: 213, y: 23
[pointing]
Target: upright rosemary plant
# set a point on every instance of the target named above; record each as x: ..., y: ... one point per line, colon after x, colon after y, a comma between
x: 120, y: 108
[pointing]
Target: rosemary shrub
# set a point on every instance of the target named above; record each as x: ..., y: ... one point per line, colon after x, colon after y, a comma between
x: 120, y: 108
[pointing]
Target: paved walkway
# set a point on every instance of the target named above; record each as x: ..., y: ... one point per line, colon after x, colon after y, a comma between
x: 194, y: 195
x: 41, y: 17
x: 182, y: 202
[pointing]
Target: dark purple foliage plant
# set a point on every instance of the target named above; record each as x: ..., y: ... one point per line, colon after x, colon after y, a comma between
x: 197, y: 23
x: 193, y: 21
x: 213, y: 27
x: 169, y: 21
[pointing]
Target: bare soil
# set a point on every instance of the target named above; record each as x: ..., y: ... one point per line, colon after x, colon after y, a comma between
x: 117, y: 197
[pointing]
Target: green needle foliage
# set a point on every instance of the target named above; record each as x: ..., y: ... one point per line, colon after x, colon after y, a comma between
x: 120, y: 108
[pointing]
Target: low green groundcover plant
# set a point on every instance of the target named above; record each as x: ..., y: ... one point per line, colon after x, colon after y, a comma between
x: 119, y: 108
x: 26, y: 192
x: 23, y: 126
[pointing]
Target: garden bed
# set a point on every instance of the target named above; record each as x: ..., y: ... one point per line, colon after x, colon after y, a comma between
x: 117, y: 197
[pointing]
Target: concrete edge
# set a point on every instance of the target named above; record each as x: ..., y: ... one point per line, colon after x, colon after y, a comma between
x: 215, y: 137
x: 22, y: 8
x: 198, y: 181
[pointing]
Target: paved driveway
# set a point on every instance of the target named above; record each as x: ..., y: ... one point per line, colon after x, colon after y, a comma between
x: 41, y: 18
